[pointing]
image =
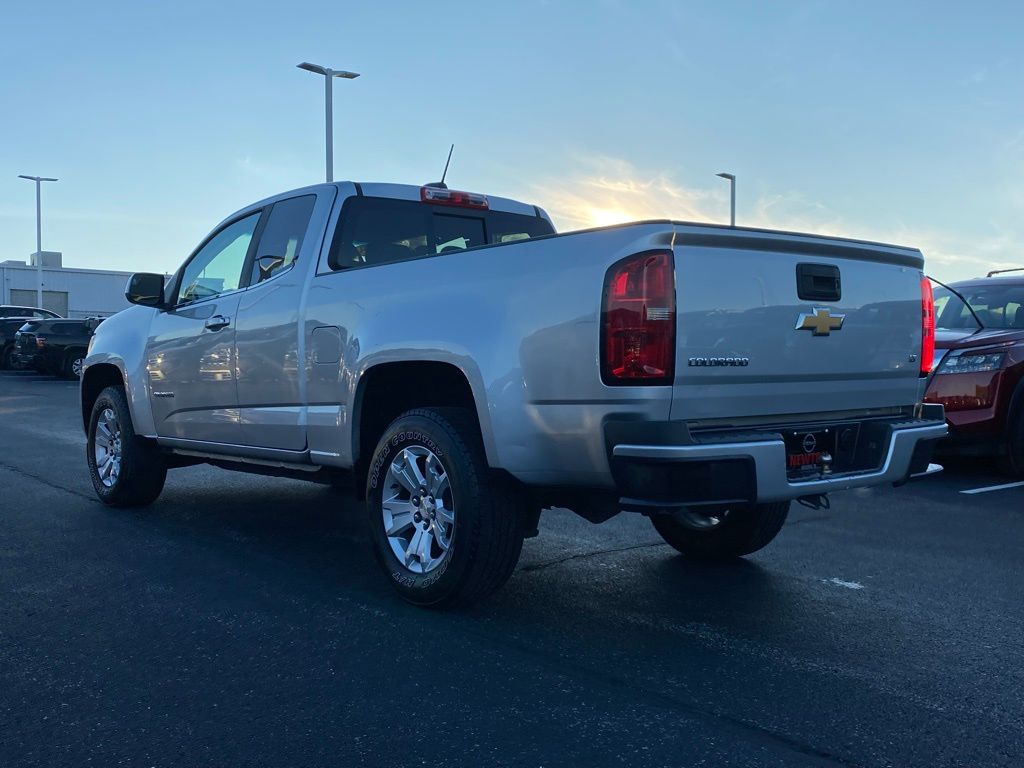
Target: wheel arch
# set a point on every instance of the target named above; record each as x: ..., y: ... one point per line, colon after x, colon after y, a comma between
x: 388, y: 389
x: 96, y: 378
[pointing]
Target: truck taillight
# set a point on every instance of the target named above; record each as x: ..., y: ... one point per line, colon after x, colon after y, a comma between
x: 638, y: 320
x: 440, y: 196
x: 927, y: 326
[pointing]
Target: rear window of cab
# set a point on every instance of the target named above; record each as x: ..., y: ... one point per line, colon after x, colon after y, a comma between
x: 377, y: 230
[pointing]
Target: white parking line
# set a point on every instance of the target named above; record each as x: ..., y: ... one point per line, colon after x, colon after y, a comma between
x: 994, y: 488
x: 848, y: 584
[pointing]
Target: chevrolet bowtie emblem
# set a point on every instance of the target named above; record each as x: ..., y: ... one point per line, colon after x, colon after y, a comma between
x: 821, y: 321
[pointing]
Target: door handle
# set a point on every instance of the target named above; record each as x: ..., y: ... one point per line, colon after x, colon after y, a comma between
x: 217, y: 322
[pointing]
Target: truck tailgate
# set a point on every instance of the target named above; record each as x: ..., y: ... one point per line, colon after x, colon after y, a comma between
x: 748, y: 345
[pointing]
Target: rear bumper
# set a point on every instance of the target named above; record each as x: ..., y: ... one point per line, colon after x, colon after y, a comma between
x: 753, y: 469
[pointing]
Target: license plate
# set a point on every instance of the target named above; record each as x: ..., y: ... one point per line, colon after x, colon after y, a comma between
x: 805, y: 449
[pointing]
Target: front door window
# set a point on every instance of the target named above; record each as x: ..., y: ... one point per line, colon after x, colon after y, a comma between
x: 217, y: 267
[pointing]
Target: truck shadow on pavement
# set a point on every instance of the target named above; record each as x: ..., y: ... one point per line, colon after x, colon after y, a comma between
x: 316, y: 539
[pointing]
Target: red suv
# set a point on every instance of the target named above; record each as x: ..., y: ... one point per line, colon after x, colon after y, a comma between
x: 978, y: 374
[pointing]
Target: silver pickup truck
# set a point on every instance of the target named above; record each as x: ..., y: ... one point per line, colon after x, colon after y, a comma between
x: 462, y: 367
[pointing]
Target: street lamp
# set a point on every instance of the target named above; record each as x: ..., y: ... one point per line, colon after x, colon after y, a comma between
x: 732, y: 194
x: 329, y: 75
x: 39, y: 237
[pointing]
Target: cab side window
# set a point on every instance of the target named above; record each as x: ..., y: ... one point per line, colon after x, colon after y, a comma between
x: 282, y: 237
x: 217, y: 267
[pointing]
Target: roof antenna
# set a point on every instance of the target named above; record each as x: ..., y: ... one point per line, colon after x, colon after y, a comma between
x: 440, y: 184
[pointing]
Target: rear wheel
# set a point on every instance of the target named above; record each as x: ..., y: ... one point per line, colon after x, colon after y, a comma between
x: 725, y: 534
x: 72, y: 366
x: 446, y: 530
x: 126, y: 470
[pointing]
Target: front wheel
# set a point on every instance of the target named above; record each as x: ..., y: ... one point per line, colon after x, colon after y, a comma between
x: 725, y: 534
x: 447, y: 531
x: 126, y: 470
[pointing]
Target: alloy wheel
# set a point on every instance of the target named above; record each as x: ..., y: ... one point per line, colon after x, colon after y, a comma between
x: 418, y: 509
x: 107, y: 447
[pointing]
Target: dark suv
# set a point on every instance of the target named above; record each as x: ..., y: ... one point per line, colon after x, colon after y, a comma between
x: 979, y: 367
x: 54, y: 346
x: 11, y: 320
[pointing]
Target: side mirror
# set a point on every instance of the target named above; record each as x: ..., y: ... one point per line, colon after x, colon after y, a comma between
x: 267, y: 265
x: 145, y: 288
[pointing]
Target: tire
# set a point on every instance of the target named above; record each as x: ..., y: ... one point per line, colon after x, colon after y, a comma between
x: 485, y: 535
x: 136, y: 478
x: 71, y: 368
x: 740, y: 531
x: 5, y: 357
x: 1012, y: 462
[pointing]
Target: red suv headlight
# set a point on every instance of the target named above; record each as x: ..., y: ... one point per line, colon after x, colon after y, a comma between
x: 968, y: 361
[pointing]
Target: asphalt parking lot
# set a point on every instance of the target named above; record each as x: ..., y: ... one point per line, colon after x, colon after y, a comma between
x: 241, y: 621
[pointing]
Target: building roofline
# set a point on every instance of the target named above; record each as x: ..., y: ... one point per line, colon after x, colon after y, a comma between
x: 80, y: 270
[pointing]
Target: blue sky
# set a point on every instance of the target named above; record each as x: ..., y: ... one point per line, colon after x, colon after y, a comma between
x: 894, y: 121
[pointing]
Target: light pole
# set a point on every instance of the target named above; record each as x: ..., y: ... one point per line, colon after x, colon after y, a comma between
x: 329, y: 75
x: 39, y: 236
x: 732, y: 195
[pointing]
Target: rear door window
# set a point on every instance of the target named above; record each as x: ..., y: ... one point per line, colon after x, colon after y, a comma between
x: 282, y: 237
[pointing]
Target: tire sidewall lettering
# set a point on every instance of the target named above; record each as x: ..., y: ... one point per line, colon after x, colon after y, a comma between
x: 413, y: 437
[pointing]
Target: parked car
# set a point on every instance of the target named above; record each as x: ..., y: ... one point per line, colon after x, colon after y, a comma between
x: 11, y: 320
x: 979, y: 368
x: 464, y: 368
x: 54, y: 346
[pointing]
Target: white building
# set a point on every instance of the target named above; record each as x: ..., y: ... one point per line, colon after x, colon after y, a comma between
x: 69, y: 292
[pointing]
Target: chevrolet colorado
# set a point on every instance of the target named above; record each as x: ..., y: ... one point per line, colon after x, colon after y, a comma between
x: 464, y: 367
